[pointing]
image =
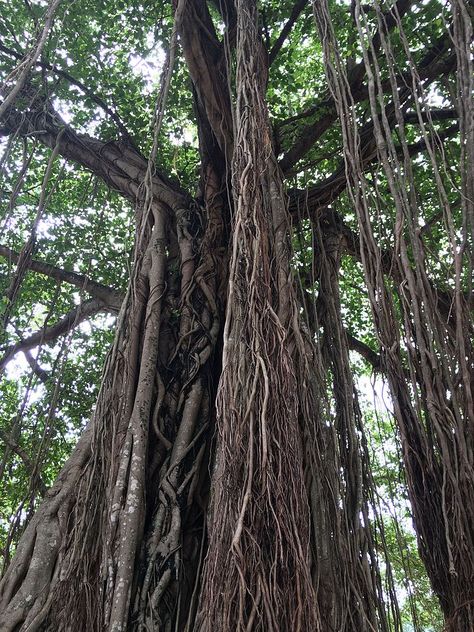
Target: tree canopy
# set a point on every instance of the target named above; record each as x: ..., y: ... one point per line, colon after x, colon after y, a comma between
x: 250, y: 213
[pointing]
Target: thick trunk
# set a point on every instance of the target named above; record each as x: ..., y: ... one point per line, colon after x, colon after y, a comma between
x: 245, y: 507
x: 257, y: 573
x: 119, y: 539
x: 290, y: 545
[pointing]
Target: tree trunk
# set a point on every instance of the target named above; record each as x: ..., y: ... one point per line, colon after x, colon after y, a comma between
x: 120, y: 540
x: 120, y: 537
x: 218, y: 486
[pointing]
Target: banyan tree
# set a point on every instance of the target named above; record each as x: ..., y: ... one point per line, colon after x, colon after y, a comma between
x: 251, y: 195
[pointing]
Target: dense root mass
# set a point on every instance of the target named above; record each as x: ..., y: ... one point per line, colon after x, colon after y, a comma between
x: 224, y: 482
x: 275, y: 487
x: 434, y: 406
x: 114, y: 520
x: 257, y: 572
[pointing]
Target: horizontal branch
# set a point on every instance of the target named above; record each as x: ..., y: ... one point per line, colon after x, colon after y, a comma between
x: 310, y: 201
x: 371, y: 357
x: 365, y: 351
x: 436, y: 62
x: 120, y: 166
x: 73, y: 318
x: 110, y: 297
x: 436, y: 114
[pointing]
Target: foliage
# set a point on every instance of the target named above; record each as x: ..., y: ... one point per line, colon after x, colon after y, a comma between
x: 99, y: 77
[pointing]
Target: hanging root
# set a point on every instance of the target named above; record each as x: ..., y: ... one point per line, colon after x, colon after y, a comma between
x: 434, y: 407
x: 257, y: 572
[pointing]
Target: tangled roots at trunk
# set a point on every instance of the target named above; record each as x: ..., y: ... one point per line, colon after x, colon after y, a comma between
x: 257, y: 573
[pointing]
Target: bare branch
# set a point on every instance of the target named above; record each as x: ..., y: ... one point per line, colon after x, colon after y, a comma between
x: 371, y: 357
x: 48, y: 334
x: 365, y: 351
x: 436, y: 114
x: 295, y: 12
x: 206, y: 63
x: 107, y: 295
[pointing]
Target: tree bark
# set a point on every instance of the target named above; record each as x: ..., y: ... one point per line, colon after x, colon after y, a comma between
x: 214, y: 487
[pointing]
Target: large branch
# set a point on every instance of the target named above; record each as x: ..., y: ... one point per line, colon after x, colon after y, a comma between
x: 310, y: 201
x: 435, y: 114
x: 120, y: 166
x: 108, y: 296
x: 79, y: 84
x: 434, y: 63
x: 73, y: 318
x: 365, y: 351
x: 207, y: 65
x: 371, y: 357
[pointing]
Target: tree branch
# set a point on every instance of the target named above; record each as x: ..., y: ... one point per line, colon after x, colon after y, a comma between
x: 328, y: 190
x: 120, y: 166
x: 436, y: 114
x: 29, y: 465
x: 365, y: 351
x: 110, y: 297
x: 206, y: 63
x: 40, y: 373
x: 93, y: 97
x: 294, y: 15
x: 73, y: 318
x: 433, y: 65
x: 312, y: 132
x: 371, y: 357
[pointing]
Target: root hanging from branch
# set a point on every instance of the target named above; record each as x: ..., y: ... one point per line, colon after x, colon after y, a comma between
x: 434, y: 408
x: 357, y: 581
x: 50, y: 333
x: 257, y: 573
x: 126, y: 514
x: 21, y: 72
x: 118, y: 541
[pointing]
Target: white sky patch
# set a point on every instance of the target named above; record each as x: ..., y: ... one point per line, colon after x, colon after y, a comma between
x: 375, y: 392
x: 3, y: 145
x: 188, y: 136
x: 17, y: 366
x: 150, y: 66
x: 63, y: 108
